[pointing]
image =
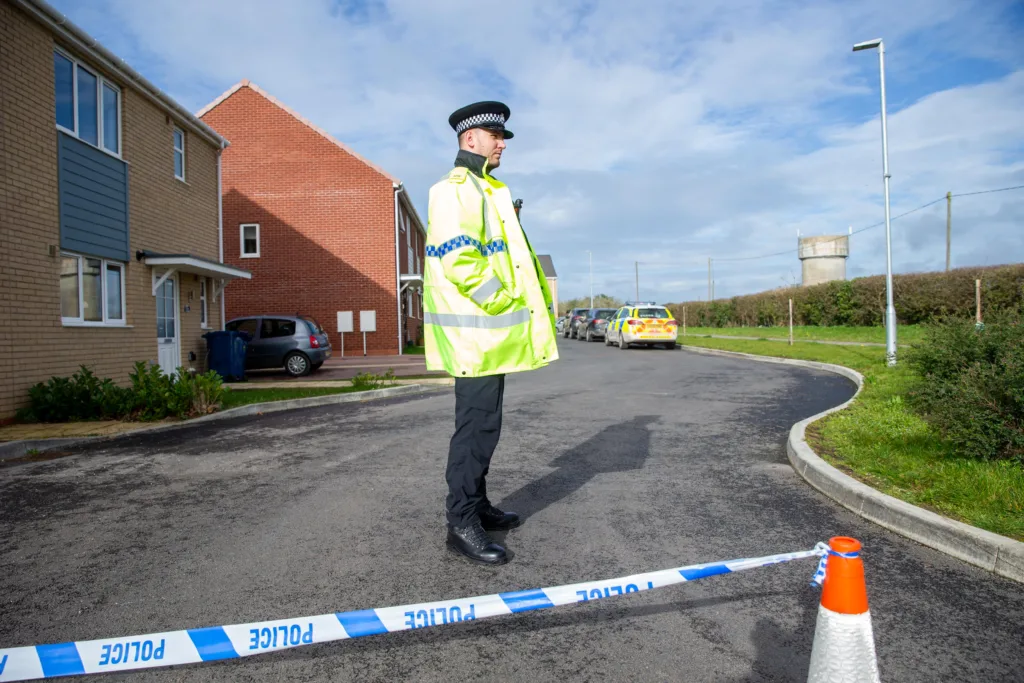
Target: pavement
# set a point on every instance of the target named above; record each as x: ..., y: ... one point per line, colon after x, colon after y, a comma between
x: 621, y: 462
x: 348, y: 367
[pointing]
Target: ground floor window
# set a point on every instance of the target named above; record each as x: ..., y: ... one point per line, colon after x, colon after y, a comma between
x: 91, y: 291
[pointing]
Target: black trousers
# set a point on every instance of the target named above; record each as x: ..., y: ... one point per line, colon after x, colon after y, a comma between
x: 478, y: 403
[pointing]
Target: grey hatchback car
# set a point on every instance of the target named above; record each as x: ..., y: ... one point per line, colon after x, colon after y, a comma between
x: 295, y: 342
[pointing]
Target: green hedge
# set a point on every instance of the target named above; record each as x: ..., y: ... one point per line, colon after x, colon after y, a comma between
x: 918, y: 298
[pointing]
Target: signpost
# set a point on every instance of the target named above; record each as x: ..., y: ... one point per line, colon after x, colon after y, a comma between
x: 344, y: 325
x: 367, y: 323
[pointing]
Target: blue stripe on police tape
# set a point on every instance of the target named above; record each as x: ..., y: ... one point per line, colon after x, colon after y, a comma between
x: 362, y: 623
x: 60, y: 660
x: 215, y: 642
x: 523, y: 601
x: 212, y: 643
x: 701, y: 572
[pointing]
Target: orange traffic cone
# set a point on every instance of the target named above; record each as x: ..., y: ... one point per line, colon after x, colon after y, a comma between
x: 844, y: 646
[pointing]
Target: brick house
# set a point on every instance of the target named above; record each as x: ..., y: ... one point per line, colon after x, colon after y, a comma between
x: 548, y: 266
x: 323, y: 230
x: 109, y: 247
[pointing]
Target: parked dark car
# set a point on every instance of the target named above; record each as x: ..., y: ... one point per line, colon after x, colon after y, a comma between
x: 296, y: 343
x: 594, y: 324
x: 573, y: 318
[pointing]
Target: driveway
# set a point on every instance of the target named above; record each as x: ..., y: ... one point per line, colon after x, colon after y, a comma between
x: 621, y: 462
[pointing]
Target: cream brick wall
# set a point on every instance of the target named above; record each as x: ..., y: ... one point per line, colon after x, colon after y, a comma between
x: 165, y: 215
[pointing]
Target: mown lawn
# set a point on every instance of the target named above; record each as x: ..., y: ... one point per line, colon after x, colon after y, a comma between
x: 881, y: 442
x: 905, y: 334
x: 242, y: 397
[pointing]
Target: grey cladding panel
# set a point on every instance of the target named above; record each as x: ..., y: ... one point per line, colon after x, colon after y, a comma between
x: 93, y: 200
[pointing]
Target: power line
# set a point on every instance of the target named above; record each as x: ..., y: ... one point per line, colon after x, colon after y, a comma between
x: 1001, y: 189
x: 869, y: 227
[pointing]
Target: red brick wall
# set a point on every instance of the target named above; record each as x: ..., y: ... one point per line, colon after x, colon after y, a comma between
x: 327, y: 223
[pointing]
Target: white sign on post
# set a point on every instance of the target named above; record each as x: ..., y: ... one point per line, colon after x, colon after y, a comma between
x: 344, y: 325
x: 367, y: 323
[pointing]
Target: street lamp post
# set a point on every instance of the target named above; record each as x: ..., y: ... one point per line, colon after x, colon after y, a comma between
x: 890, y: 310
x: 590, y: 257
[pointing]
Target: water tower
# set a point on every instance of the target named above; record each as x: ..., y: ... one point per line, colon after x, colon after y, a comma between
x: 823, y: 258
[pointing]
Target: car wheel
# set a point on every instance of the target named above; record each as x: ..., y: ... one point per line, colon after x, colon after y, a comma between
x: 607, y: 339
x: 622, y: 343
x: 297, y: 364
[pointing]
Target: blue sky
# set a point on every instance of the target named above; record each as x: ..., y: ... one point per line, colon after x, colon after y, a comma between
x: 662, y: 132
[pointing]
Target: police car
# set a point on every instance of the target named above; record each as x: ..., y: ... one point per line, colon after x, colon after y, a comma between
x: 642, y: 323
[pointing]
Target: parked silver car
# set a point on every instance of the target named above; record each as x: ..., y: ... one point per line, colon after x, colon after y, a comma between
x: 296, y: 343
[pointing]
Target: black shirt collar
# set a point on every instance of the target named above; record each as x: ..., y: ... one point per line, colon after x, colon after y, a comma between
x: 476, y: 163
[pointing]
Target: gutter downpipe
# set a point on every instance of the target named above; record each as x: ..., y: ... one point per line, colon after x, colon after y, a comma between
x: 398, y: 188
x: 220, y: 228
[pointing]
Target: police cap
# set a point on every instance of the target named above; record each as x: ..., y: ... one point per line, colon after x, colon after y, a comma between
x: 490, y: 115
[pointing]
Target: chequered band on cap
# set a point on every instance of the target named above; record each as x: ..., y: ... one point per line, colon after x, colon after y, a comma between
x: 489, y: 119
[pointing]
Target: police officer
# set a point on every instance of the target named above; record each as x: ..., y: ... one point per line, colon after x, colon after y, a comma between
x: 487, y: 312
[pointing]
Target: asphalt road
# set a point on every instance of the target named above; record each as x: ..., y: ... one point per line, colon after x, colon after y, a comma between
x: 621, y: 462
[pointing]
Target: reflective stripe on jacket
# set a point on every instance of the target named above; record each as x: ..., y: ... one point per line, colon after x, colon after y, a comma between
x: 487, y: 308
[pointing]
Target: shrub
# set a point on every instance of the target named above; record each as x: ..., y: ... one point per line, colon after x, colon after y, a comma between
x: 973, y: 389
x: 152, y: 396
x: 918, y: 298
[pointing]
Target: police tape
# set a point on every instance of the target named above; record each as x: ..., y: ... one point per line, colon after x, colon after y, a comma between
x: 214, y: 643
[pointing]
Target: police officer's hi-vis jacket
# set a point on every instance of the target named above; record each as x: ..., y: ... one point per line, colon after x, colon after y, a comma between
x: 487, y: 308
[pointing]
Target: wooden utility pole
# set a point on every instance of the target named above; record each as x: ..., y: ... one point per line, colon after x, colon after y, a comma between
x: 709, y: 279
x: 684, y: 321
x: 977, y: 300
x: 949, y: 225
x: 790, y: 322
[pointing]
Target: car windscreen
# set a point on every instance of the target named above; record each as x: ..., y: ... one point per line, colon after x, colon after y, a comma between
x: 605, y: 313
x: 659, y: 313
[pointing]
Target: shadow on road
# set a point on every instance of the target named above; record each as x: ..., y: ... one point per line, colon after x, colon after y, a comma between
x: 618, y: 448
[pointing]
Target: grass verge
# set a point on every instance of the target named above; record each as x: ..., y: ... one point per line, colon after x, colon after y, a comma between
x: 905, y: 334
x: 881, y: 442
x: 242, y: 397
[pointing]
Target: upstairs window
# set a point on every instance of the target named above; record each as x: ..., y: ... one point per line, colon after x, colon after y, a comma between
x: 88, y: 106
x: 250, y: 238
x: 179, y: 154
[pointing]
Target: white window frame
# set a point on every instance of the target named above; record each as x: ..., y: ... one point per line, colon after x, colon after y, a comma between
x: 100, y: 82
x: 107, y: 321
x: 204, y: 311
x: 241, y: 240
x: 179, y: 151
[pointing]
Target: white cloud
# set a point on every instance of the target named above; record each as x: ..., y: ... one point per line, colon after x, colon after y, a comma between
x: 661, y: 131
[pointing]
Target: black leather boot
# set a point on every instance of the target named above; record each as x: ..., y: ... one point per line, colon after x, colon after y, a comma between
x: 473, y: 542
x: 493, y: 519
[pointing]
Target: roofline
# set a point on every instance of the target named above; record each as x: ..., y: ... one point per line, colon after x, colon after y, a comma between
x: 69, y: 31
x: 403, y: 196
x: 246, y: 83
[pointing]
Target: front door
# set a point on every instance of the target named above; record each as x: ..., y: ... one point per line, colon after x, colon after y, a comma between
x: 168, y: 355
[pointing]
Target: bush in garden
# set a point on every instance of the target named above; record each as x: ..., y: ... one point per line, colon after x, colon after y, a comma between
x: 151, y: 396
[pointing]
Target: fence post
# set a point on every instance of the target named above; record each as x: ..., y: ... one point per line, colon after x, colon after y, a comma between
x: 977, y: 300
x: 790, y: 322
x: 684, y: 321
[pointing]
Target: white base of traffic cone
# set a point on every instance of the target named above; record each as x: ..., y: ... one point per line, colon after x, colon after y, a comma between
x: 844, y: 649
